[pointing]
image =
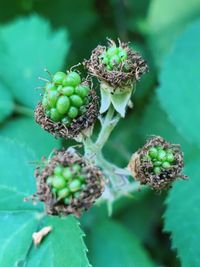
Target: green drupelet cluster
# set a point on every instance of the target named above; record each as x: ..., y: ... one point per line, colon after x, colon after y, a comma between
x: 113, y: 56
x: 162, y: 159
x: 67, y: 182
x: 65, y: 98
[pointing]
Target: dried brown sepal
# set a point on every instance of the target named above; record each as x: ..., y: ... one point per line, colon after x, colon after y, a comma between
x: 116, y: 78
x: 93, y: 190
x: 77, y: 126
x: 142, y: 169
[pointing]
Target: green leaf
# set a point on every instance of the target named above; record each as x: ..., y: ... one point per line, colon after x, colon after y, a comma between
x: 166, y: 19
x: 20, y: 219
x: 6, y: 102
x: 15, y: 238
x: 64, y: 245
x: 182, y: 217
x: 16, y: 176
x: 179, y: 90
x: 28, y: 132
x: 111, y: 243
x: 29, y: 46
x: 156, y: 122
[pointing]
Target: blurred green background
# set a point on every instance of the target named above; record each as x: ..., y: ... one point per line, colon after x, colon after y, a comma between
x: 38, y: 34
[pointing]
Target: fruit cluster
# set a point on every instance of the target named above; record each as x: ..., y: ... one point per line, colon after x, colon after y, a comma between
x: 65, y: 98
x: 113, y: 56
x: 67, y: 182
x: 162, y: 159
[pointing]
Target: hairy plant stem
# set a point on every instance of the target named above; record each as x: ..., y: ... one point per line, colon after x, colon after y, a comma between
x: 117, y: 182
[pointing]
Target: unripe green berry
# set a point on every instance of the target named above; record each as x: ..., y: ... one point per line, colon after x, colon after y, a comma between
x: 59, y: 77
x: 63, y: 193
x: 50, y: 87
x: 122, y: 55
x: 73, y: 112
x: 161, y: 155
x: 113, y: 50
x: 59, y: 182
x: 50, y: 180
x: 77, y: 194
x: 67, y: 173
x: 81, y: 178
x: 166, y: 165
x: 72, y: 79
x: 153, y: 152
x: 76, y: 168
x: 45, y: 102
x: 67, y: 90
x: 52, y: 98
x: 82, y: 110
x: 58, y: 170
x: 55, y: 115
x: 82, y: 90
x: 157, y: 170
x: 76, y: 100
x: 67, y: 200
x: 170, y: 157
x: 63, y: 104
x: 157, y: 163
x: 75, y: 185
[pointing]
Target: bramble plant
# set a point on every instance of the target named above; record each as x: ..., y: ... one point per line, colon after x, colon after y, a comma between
x: 70, y: 183
x: 91, y: 170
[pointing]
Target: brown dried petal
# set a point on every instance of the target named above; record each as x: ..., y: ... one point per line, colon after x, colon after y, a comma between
x: 77, y: 126
x: 117, y: 78
x: 142, y: 170
x: 93, y: 190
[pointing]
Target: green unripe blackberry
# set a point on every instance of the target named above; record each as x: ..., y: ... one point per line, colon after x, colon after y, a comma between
x: 63, y: 104
x: 52, y: 98
x: 58, y: 77
x: 76, y: 101
x: 118, y: 66
x: 68, y: 106
x: 58, y: 170
x: 58, y: 182
x: 157, y: 164
x: 82, y: 90
x: 67, y: 90
x: 63, y: 193
x: 73, y: 112
x: 153, y: 152
x: 50, y: 87
x: 72, y: 79
x: 55, y: 115
x: 67, y: 173
x: 76, y: 187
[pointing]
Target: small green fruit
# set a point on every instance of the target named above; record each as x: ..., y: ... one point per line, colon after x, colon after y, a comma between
x: 63, y: 193
x: 67, y: 173
x: 75, y: 185
x: 59, y: 77
x: 166, y: 165
x: 59, y: 182
x: 73, y: 112
x: 67, y: 90
x: 76, y: 100
x: 63, y: 104
x: 55, y: 115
